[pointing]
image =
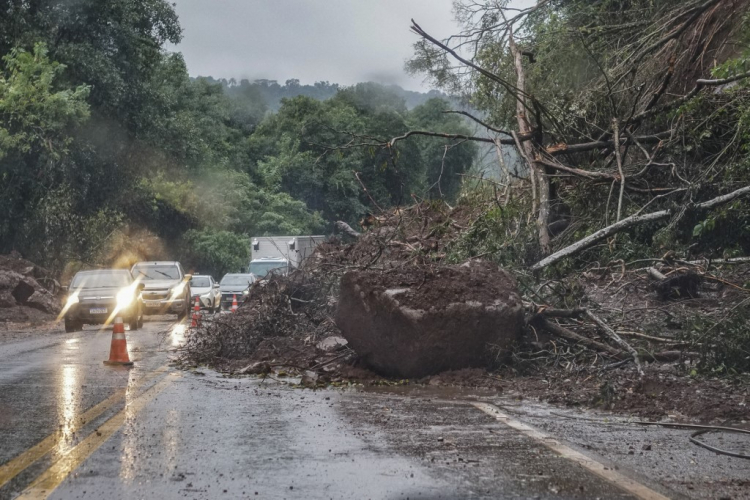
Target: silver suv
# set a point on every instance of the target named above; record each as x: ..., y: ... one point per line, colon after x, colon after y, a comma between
x: 167, y: 287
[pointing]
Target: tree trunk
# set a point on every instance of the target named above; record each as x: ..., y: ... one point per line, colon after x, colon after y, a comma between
x: 537, y: 169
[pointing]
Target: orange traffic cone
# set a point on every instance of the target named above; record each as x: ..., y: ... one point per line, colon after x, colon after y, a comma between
x: 196, y: 322
x: 234, y: 303
x: 118, y: 352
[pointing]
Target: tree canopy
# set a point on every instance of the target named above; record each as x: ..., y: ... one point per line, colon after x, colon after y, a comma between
x: 108, y: 148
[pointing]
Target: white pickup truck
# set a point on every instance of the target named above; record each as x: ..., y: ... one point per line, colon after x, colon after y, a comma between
x: 281, y: 254
x: 167, y: 287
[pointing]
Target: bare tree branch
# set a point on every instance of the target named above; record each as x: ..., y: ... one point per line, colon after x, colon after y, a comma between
x: 633, y: 220
x: 485, y: 125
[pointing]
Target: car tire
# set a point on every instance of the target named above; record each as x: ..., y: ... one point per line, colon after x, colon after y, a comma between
x: 140, y: 321
x: 134, y: 324
x: 72, y: 326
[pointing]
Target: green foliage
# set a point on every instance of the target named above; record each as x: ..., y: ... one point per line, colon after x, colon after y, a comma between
x: 501, y: 233
x: 724, y: 345
x: 57, y: 233
x: 34, y: 116
x: 215, y: 252
x: 298, y: 152
x: 443, y: 163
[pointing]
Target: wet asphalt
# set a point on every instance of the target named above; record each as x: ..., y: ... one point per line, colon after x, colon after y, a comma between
x: 71, y: 427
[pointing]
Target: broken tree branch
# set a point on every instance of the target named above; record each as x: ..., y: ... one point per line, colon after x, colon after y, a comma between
x: 560, y: 331
x: 618, y: 155
x: 613, y: 335
x: 654, y: 273
x: 699, y: 84
x: 480, y: 122
x: 631, y: 221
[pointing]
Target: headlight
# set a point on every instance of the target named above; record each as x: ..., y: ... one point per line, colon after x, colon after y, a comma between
x: 178, y: 289
x: 206, y: 296
x: 72, y: 299
x: 124, y: 297
x: 245, y: 292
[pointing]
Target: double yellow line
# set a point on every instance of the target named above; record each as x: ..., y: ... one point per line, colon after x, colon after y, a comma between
x: 45, y: 484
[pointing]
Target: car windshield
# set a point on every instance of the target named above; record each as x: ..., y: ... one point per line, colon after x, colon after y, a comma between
x: 238, y: 279
x: 156, y: 272
x: 200, y: 282
x: 101, y: 279
x: 263, y: 268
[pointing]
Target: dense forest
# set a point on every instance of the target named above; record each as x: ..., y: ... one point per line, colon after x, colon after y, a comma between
x: 110, y: 152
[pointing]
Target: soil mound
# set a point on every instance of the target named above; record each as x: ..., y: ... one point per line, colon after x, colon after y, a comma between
x: 421, y: 321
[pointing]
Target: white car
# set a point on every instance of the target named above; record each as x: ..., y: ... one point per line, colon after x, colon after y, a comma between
x: 207, y: 291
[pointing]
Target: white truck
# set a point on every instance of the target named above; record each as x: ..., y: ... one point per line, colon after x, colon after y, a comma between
x: 281, y: 254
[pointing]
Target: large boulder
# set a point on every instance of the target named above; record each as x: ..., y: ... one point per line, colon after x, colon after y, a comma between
x: 9, y: 279
x: 44, y: 301
x: 23, y: 290
x: 413, y: 322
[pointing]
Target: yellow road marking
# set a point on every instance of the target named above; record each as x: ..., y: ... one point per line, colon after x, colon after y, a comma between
x: 11, y: 469
x: 45, y: 484
x: 625, y: 483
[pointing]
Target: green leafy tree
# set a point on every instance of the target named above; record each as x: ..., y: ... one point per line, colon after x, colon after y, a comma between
x: 35, y: 115
x: 216, y: 252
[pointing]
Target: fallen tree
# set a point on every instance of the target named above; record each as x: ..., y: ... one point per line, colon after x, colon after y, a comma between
x: 628, y: 222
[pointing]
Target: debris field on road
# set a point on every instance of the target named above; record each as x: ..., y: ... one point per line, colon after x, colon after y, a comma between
x: 575, y: 360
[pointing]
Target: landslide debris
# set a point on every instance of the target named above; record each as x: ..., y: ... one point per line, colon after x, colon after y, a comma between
x: 419, y: 321
x: 279, y: 327
x: 27, y: 291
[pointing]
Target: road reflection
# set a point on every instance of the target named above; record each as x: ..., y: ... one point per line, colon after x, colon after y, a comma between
x: 67, y: 406
x: 177, y: 334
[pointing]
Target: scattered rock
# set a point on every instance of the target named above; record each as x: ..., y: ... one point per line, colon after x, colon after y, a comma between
x: 44, y: 301
x: 7, y: 299
x: 9, y: 279
x: 20, y: 290
x: 331, y: 344
x: 415, y: 322
x: 309, y: 378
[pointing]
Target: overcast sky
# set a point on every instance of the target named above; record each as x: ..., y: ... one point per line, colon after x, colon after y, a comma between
x: 341, y: 41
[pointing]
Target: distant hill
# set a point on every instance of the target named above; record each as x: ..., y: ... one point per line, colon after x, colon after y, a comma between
x: 273, y: 92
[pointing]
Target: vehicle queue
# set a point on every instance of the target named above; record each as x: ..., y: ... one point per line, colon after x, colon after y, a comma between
x: 96, y: 297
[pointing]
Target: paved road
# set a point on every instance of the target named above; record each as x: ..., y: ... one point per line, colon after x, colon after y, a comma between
x: 71, y: 427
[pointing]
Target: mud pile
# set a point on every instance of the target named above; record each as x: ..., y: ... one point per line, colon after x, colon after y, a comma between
x: 419, y: 321
x: 27, y: 291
